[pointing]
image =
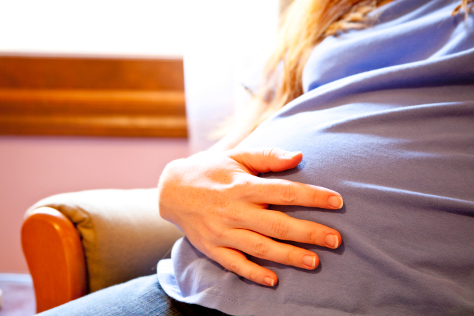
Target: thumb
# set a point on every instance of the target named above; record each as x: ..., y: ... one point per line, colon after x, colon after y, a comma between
x: 267, y: 159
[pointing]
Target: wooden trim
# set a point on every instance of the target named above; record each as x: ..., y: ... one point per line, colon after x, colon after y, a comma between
x: 55, y: 257
x: 92, y: 101
x: 94, y: 126
x: 91, y: 73
x: 92, y: 96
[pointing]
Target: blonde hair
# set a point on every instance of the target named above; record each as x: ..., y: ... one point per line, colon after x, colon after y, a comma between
x: 306, y: 24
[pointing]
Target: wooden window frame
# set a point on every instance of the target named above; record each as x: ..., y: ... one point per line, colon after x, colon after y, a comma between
x: 92, y: 96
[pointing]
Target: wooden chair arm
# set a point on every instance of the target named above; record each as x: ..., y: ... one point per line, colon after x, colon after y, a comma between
x: 55, y: 258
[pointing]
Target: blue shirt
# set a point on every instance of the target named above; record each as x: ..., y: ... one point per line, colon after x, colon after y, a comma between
x: 387, y: 120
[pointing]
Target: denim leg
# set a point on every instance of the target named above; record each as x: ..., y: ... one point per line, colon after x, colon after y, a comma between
x: 142, y: 296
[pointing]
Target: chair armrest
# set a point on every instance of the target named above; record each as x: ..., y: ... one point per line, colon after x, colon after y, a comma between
x: 53, y: 251
x: 122, y: 233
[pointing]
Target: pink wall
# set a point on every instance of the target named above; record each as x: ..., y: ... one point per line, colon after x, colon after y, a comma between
x: 32, y: 168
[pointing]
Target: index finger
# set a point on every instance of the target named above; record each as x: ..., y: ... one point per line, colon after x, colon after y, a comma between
x: 284, y: 192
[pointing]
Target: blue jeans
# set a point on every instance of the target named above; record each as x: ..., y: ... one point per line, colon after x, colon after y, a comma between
x: 142, y: 296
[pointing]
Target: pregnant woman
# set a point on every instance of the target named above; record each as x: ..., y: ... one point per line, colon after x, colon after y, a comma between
x: 369, y: 101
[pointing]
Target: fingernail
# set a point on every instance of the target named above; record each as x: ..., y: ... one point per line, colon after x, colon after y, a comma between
x: 335, y: 201
x: 288, y: 154
x: 332, y: 241
x: 269, y: 281
x: 310, y: 261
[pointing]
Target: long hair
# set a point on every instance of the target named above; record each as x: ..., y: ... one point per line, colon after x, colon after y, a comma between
x: 306, y: 23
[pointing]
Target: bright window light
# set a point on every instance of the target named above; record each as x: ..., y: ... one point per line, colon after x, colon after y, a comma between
x: 138, y: 27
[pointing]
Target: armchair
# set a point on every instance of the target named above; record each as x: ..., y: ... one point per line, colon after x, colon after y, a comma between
x: 78, y: 243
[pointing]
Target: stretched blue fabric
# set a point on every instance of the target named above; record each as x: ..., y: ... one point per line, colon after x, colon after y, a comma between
x: 387, y: 120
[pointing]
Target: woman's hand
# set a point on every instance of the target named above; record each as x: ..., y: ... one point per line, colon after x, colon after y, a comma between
x: 221, y: 205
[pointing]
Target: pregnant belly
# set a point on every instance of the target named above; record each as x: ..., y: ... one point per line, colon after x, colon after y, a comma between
x: 405, y: 171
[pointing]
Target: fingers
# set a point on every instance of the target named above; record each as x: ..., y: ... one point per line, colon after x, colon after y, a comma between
x: 265, y: 248
x: 259, y: 245
x: 235, y: 261
x: 283, y: 192
x: 267, y: 159
x: 280, y: 225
